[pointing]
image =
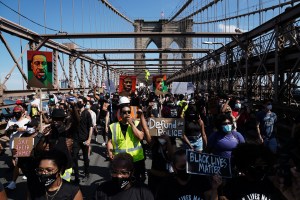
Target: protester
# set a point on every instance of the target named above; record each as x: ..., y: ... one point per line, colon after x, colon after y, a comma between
x: 125, y: 136
x: 223, y: 141
x: 122, y: 185
x: 14, y: 129
x: 183, y: 185
x: 162, y: 149
x: 254, y: 162
x: 51, y: 165
x: 82, y: 137
x: 194, y: 134
x: 266, y: 129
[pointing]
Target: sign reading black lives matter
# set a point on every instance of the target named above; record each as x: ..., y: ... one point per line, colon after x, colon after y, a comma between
x: 172, y: 127
x: 207, y: 164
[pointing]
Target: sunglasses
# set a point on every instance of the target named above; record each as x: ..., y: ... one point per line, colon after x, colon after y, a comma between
x: 126, y: 112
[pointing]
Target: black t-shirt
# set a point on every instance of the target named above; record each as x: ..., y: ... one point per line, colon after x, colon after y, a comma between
x: 84, y: 126
x: 240, y: 188
x: 194, y: 189
x: 109, y: 191
x: 123, y: 129
x: 67, y: 192
x: 160, y: 159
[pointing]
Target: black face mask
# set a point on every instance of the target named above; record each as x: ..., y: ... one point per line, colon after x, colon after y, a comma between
x: 18, y: 115
x: 181, y: 174
x: 121, y: 182
x: 47, y: 179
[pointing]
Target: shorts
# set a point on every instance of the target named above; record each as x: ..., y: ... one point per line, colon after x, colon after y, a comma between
x: 197, y: 143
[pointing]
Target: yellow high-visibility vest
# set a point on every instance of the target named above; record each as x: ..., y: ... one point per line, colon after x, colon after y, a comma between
x: 130, y: 144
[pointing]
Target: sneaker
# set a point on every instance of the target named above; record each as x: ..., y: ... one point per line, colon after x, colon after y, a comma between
x: 12, y: 185
x: 24, y: 178
x: 103, y: 144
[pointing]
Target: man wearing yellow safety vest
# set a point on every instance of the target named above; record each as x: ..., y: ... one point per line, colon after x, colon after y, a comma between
x: 126, y: 136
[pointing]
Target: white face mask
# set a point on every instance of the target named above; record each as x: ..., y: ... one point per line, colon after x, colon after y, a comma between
x: 162, y: 141
x: 88, y: 106
x: 30, y: 130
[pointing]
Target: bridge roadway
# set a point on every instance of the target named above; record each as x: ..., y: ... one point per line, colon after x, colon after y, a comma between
x: 99, y: 172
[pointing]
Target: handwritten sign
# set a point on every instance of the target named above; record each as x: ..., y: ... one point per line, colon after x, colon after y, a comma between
x: 201, y: 163
x: 172, y: 127
x: 24, y: 146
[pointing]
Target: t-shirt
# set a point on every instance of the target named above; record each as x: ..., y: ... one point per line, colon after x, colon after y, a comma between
x: 240, y: 188
x: 267, y: 121
x: 192, y: 128
x: 84, y: 126
x: 194, y: 189
x: 222, y: 144
x: 67, y: 192
x: 109, y: 191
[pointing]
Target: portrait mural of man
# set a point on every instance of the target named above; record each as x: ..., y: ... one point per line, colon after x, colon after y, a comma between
x: 159, y: 86
x: 39, y: 69
x: 127, y: 85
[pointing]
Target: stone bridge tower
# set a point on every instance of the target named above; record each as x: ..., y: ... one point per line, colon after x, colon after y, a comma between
x: 163, y: 42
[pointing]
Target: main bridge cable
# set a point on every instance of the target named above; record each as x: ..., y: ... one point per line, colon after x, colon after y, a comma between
x: 55, y: 30
x: 181, y: 10
x: 116, y: 11
x: 249, y: 13
x: 200, y: 10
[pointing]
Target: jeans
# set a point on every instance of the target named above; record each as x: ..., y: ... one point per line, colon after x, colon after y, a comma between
x: 271, y: 143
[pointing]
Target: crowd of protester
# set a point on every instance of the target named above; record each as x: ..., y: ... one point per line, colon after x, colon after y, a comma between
x: 234, y: 127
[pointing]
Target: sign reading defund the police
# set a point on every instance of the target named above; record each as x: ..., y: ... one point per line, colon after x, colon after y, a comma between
x: 201, y: 163
x: 172, y: 127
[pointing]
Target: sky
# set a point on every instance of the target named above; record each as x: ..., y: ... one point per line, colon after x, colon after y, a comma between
x: 85, y: 16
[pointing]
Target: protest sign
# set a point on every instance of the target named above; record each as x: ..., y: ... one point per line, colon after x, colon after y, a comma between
x: 182, y: 88
x: 24, y: 146
x: 207, y: 164
x: 172, y: 127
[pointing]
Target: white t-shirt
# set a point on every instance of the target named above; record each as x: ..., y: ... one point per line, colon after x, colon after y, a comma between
x: 93, y: 116
x: 21, y: 124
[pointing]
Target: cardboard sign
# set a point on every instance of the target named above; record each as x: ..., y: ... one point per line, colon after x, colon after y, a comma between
x: 172, y: 127
x: 39, y: 69
x: 182, y: 88
x: 207, y: 164
x: 24, y: 146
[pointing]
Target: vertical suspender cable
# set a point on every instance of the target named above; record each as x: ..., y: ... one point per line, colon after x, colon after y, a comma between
x: 19, y: 11
x: 45, y: 27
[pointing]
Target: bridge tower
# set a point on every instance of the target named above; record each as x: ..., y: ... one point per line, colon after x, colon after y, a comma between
x: 162, y: 42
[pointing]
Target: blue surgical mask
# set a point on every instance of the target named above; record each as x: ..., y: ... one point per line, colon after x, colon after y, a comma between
x: 238, y: 105
x: 227, y: 128
x: 88, y: 106
x: 269, y: 107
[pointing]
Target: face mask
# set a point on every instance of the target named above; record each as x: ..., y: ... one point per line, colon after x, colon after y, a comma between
x: 238, y: 105
x: 18, y: 115
x: 30, y: 130
x: 227, y: 128
x: 121, y: 182
x: 47, y: 179
x: 269, y: 107
x: 88, y: 106
x: 162, y: 141
x: 181, y: 174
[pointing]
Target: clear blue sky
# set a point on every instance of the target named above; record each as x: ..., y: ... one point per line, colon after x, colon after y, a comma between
x: 77, y: 16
